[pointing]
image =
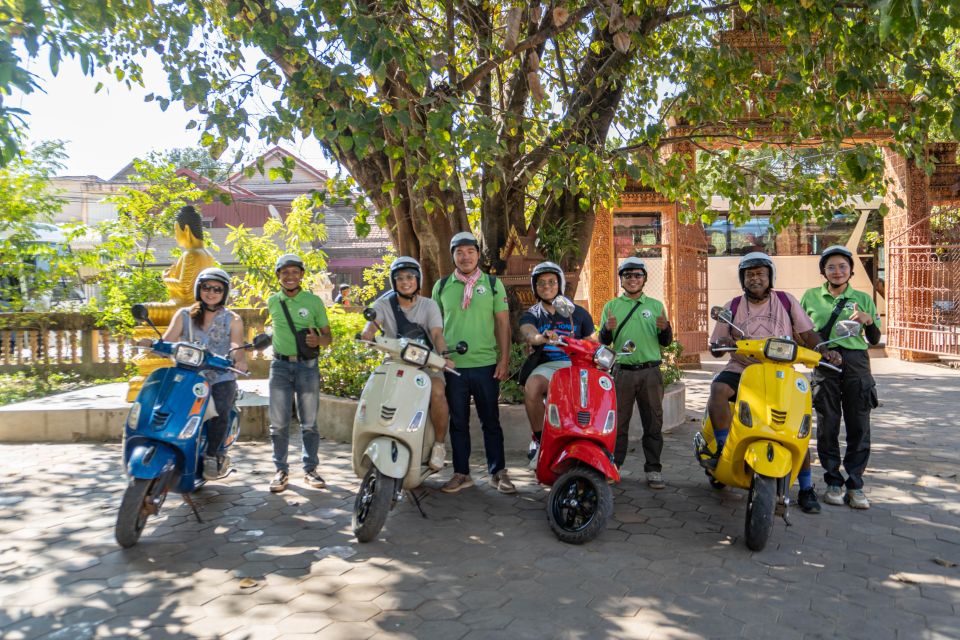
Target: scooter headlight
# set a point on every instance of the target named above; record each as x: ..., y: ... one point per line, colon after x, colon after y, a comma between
x: 804, y: 427
x: 134, y: 416
x: 746, y: 419
x: 415, y: 354
x: 610, y: 423
x: 604, y: 358
x: 190, y: 429
x: 187, y: 355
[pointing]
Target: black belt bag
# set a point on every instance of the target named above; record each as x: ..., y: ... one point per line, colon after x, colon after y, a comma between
x: 304, y: 351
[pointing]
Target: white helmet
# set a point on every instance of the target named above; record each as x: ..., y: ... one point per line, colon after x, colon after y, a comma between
x: 756, y: 259
x: 400, y: 264
x: 216, y: 275
x: 464, y: 238
x: 288, y: 260
x: 547, y: 267
x: 632, y: 263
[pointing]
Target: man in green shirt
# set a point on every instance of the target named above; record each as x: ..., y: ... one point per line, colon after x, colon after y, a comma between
x: 638, y: 317
x: 294, y: 375
x: 475, y: 310
x: 851, y: 394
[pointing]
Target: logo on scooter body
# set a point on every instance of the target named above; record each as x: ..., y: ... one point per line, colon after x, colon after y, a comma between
x: 802, y: 385
x: 605, y: 383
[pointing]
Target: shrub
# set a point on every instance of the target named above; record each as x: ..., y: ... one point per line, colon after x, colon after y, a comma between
x: 346, y: 365
x: 671, y: 363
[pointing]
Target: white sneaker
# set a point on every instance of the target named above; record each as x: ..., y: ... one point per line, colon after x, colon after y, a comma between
x: 211, y: 470
x: 856, y: 499
x: 834, y: 495
x: 535, y: 459
x: 437, y: 456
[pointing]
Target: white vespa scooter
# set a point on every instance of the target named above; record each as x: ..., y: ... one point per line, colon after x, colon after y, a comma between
x: 392, y: 431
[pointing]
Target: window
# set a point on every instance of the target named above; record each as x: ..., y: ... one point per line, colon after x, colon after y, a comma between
x: 637, y: 234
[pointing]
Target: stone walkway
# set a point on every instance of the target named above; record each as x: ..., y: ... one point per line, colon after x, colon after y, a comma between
x: 671, y: 565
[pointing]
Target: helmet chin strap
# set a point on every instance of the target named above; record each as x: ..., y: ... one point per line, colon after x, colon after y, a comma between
x: 411, y: 298
x: 751, y: 298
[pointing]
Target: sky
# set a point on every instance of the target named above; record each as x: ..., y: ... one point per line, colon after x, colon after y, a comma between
x: 104, y: 131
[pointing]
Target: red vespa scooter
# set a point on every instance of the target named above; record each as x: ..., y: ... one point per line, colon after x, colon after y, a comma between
x: 579, y: 434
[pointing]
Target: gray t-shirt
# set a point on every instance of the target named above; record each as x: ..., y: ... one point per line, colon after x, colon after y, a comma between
x: 424, y: 312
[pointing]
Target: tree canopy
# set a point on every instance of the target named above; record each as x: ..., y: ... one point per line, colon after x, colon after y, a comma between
x: 500, y: 116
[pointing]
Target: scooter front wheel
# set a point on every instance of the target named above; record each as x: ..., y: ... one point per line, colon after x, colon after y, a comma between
x: 579, y: 504
x: 139, y: 503
x: 761, y: 502
x: 372, y: 504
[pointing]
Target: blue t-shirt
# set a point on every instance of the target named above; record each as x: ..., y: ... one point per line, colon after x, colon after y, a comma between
x: 579, y: 325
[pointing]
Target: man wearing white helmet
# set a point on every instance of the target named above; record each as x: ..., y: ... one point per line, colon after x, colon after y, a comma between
x: 300, y: 328
x: 475, y: 310
x: 852, y: 393
x: 538, y: 326
x: 761, y: 312
x: 404, y: 312
x: 637, y: 317
x: 208, y: 322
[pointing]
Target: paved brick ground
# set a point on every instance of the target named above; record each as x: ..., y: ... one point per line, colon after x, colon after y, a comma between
x: 671, y: 565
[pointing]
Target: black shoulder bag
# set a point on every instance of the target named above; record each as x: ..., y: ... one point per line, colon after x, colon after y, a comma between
x: 827, y: 328
x: 304, y: 351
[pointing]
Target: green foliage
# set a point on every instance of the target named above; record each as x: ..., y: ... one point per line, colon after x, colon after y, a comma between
x: 30, y: 265
x: 376, y: 279
x: 670, y: 369
x: 346, y: 364
x: 441, y: 113
x: 147, y: 211
x: 258, y: 254
x: 26, y: 385
x: 559, y: 242
x: 510, y: 390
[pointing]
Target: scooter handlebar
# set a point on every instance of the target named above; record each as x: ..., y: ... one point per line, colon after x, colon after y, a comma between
x: 824, y: 363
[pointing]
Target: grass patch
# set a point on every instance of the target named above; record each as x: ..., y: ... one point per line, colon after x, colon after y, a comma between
x: 27, y: 385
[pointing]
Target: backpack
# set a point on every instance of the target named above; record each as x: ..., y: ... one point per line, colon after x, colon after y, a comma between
x: 443, y: 283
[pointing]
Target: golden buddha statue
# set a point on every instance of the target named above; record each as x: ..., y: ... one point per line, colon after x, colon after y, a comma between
x: 179, y: 279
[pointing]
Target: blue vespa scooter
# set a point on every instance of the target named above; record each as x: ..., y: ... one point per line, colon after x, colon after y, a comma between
x: 165, y: 434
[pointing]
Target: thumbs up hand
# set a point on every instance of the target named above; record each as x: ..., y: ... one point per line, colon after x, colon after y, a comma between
x: 313, y: 338
x: 860, y: 316
x: 662, y: 322
x: 611, y: 322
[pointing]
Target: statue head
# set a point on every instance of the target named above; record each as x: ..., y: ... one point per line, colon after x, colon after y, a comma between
x: 188, y: 228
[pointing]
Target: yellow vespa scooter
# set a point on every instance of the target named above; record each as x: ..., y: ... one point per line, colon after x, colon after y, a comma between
x: 772, y: 421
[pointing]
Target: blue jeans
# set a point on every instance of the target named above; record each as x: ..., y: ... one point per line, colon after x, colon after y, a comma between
x: 485, y: 389
x: 289, y: 381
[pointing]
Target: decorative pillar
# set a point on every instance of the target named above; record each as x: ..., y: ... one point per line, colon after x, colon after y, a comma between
x: 600, y: 265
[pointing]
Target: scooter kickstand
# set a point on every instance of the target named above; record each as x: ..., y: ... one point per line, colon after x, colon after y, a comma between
x: 193, y: 505
x: 416, y: 501
x: 786, y: 512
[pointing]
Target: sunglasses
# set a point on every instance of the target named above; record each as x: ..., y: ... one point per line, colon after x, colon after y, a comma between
x: 633, y: 275
x: 211, y: 288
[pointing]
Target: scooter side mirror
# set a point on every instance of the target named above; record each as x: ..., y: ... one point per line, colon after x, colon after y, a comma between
x: 369, y: 314
x: 629, y: 346
x: 721, y: 315
x: 847, y: 328
x: 140, y: 313
x: 261, y: 341
x: 461, y: 347
x: 564, y: 306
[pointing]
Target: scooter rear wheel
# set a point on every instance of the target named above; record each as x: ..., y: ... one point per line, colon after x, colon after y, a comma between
x: 372, y: 504
x: 761, y: 502
x: 136, y: 507
x: 579, y: 504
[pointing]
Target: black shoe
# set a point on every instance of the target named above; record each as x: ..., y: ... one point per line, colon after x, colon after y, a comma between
x: 807, y: 499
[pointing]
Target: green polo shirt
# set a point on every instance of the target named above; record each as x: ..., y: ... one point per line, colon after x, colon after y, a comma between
x: 475, y: 325
x: 819, y: 304
x: 306, y: 310
x: 641, y: 327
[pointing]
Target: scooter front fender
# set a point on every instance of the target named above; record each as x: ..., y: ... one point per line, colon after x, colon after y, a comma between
x: 388, y: 455
x: 148, y: 461
x: 588, y: 453
x: 768, y: 458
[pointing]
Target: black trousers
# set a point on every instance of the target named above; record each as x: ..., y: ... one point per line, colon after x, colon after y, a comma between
x: 224, y: 396
x: 645, y: 388
x: 851, y: 394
